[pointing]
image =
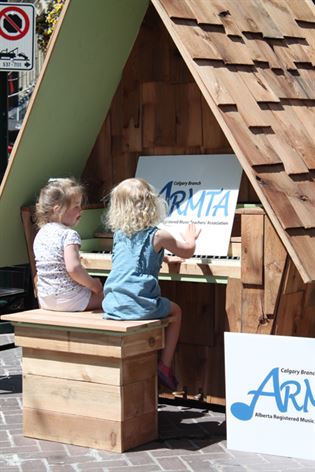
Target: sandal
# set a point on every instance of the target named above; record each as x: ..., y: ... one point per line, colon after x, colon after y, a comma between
x: 166, y: 377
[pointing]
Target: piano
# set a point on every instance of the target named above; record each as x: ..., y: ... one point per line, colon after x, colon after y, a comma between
x: 96, y: 249
x: 96, y: 258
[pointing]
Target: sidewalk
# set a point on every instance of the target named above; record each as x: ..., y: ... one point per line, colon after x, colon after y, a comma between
x: 191, y: 439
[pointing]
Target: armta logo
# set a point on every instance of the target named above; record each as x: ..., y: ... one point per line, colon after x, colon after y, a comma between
x: 293, y: 394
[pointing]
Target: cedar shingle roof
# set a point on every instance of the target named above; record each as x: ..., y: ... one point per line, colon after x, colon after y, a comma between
x: 254, y: 63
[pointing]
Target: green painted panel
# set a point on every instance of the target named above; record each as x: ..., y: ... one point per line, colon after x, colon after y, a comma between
x: 90, y: 221
x: 70, y: 102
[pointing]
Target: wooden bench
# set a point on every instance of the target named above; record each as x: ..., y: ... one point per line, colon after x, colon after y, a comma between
x: 89, y: 381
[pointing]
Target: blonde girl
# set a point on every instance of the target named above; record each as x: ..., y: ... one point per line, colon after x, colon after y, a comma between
x: 132, y: 289
x: 62, y: 284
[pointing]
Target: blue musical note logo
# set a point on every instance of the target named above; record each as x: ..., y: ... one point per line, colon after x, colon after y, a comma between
x: 297, y: 393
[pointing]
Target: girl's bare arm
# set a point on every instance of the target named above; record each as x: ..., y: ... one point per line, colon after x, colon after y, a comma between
x: 77, y: 271
x: 185, y: 249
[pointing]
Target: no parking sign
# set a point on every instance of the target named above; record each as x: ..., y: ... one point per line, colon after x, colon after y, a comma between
x: 17, y: 32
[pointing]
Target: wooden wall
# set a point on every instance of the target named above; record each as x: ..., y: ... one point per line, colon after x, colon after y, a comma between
x: 157, y: 109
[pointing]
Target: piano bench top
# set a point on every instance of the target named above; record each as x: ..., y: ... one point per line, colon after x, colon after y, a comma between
x: 87, y: 321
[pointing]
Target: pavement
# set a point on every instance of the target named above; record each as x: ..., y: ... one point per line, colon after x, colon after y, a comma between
x: 192, y: 437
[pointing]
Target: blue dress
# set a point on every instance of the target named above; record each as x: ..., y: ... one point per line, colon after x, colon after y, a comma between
x: 132, y: 290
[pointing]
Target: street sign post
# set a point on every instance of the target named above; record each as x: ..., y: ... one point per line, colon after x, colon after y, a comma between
x: 17, y: 35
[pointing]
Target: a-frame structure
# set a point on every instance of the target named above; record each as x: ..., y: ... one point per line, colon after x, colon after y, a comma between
x: 189, y: 77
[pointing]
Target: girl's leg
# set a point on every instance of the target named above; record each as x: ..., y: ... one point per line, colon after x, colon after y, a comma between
x: 95, y: 302
x: 171, y: 335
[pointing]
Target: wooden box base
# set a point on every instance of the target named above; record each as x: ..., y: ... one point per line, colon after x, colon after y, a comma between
x: 87, y: 381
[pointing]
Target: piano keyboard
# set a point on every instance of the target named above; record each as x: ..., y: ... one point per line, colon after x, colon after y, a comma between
x: 199, y: 267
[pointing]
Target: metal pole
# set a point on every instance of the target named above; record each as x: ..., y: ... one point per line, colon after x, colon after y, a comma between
x: 3, y: 122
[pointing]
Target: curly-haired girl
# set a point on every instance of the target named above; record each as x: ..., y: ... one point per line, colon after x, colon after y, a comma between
x: 132, y: 289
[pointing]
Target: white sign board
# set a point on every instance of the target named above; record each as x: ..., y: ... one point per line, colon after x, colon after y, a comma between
x: 270, y: 394
x: 17, y: 33
x: 198, y: 188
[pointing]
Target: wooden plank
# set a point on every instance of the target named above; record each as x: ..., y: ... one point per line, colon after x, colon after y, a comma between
x: 105, y: 401
x: 260, y: 50
x: 138, y: 368
x: 69, y: 396
x: 276, y: 188
x: 220, y: 318
x: 158, y: 114
x: 205, y: 13
x: 252, y: 17
x: 256, y: 147
x: 300, y: 51
x: 82, y: 367
x: 289, y: 314
x: 215, y: 86
x: 224, y: 13
x: 60, y: 341
x: 188, y: 115
x: 215, y: 375
x: 252, y: 249
x: 246, y: 104
x: 139, y: 398
x: 283, y: 53
x: 303, y: 11
x: 98, y: 170
x: 90, y: 432
x: 275, y: 257
x: 258, y: 87
x: 280, y: 140
x: 141, y: 343
x: 303, y: 243
x: 282, y: 84
x: 90, y: 344
x: 165, y: 119
x: 139, y: 430
x: 306, y: 80
x: 198, y: 314
x: 148, y: 113
x: 191, y: 368
x: 280, y: 13
x: 213, y: 137
x: 230, y: 50
x: 297, y: 136
x: 178, y: 9
x: 306, y: 326
x: 303, y: 201
x: 233, y: 304
x: 292, y: 279
x: 305, y: 114
x: 196, y: 42
x: 252, y: 316
x: 291, y: 159
x: 84, y: 320
x: 107, y: 370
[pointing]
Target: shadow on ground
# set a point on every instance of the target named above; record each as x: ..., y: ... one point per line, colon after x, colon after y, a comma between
x: 11, y: 384
x: 187, y: 428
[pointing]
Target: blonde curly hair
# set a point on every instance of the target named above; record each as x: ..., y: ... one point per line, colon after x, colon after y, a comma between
x: 57, y: 192
x: 134, y: 206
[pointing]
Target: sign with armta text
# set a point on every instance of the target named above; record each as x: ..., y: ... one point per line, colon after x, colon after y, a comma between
x: 17, y: 33
x: 202, y: 189
x: 270, y: 394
